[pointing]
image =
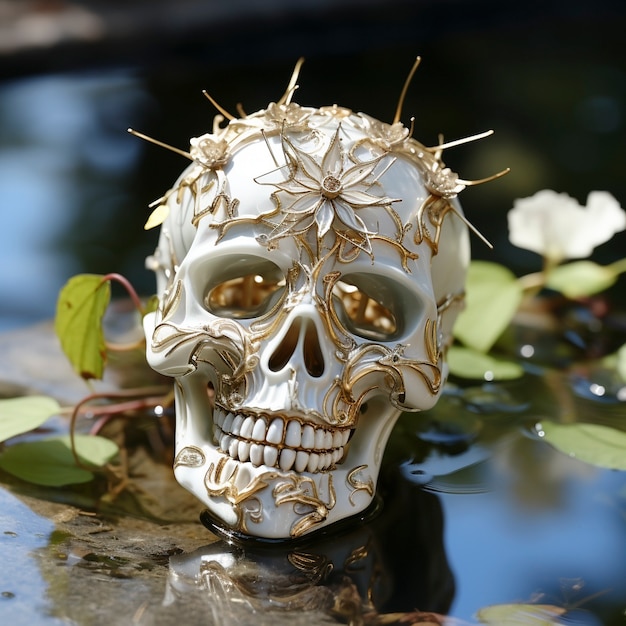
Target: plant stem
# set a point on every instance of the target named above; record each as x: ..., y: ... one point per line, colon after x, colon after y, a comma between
x: 122, y: 280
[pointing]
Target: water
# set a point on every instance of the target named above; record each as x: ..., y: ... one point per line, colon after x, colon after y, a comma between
x: 476, y: 510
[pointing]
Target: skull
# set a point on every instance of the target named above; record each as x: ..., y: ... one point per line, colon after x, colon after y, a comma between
x: 310, y: 266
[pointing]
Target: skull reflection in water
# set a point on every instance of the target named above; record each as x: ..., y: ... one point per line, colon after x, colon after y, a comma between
x: 309, y: 271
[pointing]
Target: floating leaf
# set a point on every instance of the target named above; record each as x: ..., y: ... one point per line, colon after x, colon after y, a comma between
x: 493, y: 296
x: 593, y: 443
x: 520, y: 614
x: 581, y: 278
x: 468, y: 363
x: 50, y: 461
x: 80, y: 308
x: 21, y: 415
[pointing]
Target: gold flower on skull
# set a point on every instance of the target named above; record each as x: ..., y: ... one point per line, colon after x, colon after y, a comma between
x: 209, y: 152
x: 326, y: 194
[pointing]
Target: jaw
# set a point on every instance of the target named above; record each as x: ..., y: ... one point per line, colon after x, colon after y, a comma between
x: 251, y: 478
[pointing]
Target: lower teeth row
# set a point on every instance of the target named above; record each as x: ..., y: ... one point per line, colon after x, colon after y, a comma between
x: 285, y: 459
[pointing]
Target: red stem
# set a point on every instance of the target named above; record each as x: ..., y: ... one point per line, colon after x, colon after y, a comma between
x: 129, y: 288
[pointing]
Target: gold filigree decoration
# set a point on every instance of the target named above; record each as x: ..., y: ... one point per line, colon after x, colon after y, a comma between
x: 171, y: 299
x: 190, y: 456
x: 359, y: 485
x: 370, y: 359
x: 300, y: 491
x: 434, y: 208
x: 325, y: 194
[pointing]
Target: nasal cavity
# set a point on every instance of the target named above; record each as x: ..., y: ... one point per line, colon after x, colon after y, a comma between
x: 301, y: 335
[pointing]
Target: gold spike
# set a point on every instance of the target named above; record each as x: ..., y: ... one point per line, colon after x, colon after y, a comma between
x: 457, y: 142
x: 480, y: 181
x: 291, y: 87
x: 240, y: 110
x: 224, y: 112
x: 405, y: 88
x: 160, y: 143
x: 472, y: 228
x: 267, y: 143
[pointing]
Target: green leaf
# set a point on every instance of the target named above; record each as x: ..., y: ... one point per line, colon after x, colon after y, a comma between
x: 80, y: 308
x: 520, y: 614
x: 593, y: 443
x: 493, y: 295
x: 50, y: 461
x: 468, y: 363
x: 21, y: 415
x: 581, y: 278
x: 151, y: 305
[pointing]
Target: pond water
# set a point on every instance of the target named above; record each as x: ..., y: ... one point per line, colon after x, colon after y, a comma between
x: 475, y: 510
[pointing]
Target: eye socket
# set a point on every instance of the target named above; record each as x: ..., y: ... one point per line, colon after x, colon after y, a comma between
x: 247, y: 287
x: 370, y: 306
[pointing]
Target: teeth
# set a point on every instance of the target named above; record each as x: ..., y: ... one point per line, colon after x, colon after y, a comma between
x: 313, y: 463
x: 270, y: 455
x: 287, y: 459
x: 243, y: 451
x: 246, y: 428
x: 228, y: 423
x: 275, y: 431
x: 297, y: 446
x: 308, y: 437
x: 302, y: 459
x: 258, y: 432
x: 294, y: 434
x: 256, y: 454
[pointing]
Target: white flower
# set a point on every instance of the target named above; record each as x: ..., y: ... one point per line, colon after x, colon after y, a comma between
x: 557, y: 227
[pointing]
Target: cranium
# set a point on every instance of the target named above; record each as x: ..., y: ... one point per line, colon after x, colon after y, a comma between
x: 310, y: 266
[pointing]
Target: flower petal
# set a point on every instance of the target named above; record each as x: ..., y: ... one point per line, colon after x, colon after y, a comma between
x: 359, y: 172
x: 360, y: 199
x: 304, y: 204
x: 347, y: 215
x: 551, y: 224
x: 332, y: 161
x: 324, y: 217
x: 306, y: 166
x: 607, y: 214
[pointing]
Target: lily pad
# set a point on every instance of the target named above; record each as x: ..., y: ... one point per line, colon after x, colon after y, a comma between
x: 520, y: 614
x: 50, y: 461
x: 467, y: 363
x: 581, y: 278
x: 21, y: 415
x: 593, y: 443
x: 493, y: 296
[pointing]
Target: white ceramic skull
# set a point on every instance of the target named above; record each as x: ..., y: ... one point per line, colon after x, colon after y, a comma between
x: 310, y: 267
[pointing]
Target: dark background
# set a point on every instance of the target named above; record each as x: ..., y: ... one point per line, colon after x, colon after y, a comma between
x: 548, y: 77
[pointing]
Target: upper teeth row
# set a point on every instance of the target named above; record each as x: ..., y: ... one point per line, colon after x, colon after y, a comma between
x: 278, y: 442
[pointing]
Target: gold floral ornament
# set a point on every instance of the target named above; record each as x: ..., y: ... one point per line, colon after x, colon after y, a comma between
x: 286, y: 115
x: 205, y: 151
x: 209, y: 152
x: 326, y: 194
